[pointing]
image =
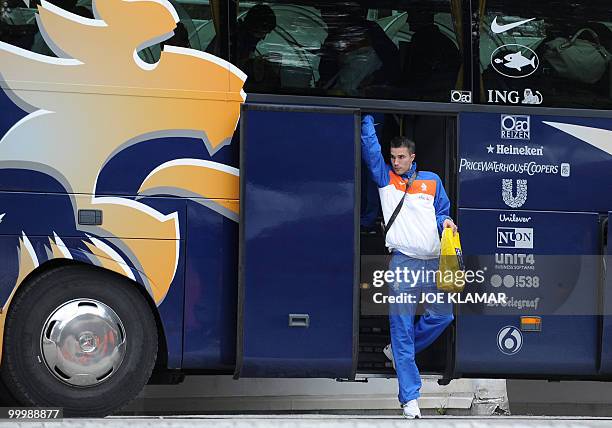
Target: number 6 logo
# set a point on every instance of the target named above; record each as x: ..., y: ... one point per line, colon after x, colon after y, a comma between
x: 509, y: 340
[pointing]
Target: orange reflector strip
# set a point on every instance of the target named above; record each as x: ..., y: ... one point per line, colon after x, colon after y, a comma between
x: 531, y: 323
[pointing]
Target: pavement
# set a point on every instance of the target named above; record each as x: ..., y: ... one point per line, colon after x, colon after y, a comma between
x: 317, y: 421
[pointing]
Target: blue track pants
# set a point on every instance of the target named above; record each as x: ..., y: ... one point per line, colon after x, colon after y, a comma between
x: 408, y: 338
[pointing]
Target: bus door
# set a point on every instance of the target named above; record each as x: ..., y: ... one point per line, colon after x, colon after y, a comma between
x: 606, y: 342
x: 299, y: 242
x: 531, y: 205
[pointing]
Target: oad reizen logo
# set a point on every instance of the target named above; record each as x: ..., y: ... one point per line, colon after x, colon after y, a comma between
x: 515, y: 127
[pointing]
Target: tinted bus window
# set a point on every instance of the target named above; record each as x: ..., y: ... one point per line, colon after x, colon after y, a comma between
x: 398, y: 50
x: 18, y: 25
x: 195, y: 29
x: 546, y: 53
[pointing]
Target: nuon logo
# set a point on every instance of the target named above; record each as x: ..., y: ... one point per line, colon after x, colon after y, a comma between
x: 514, y: 237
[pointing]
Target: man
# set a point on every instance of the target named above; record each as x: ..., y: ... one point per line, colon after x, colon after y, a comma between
x: 356, y: 53
x: 414, y: 239
x: 257, y: 23
x: 431, y: 53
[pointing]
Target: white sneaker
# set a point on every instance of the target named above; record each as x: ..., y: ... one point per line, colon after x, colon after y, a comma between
x: 389, y: 354
x: 411, y: 410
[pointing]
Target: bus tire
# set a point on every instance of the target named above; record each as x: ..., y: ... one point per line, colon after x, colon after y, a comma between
x: 104, y: 329
x: 6, y: 398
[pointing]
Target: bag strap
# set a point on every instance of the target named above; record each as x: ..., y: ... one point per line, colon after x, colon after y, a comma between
x: 399, y: 205
x: 586, y: 30
x: 578, y: 33
x: 597, y: 45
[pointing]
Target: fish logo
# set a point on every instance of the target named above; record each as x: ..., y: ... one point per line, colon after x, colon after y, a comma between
x: 514, y: 61
x: 187, y: 93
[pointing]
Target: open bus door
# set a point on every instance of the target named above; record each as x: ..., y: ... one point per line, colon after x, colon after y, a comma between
x: 606, y: 340
x: 299, y: 242
x: 531, y: 208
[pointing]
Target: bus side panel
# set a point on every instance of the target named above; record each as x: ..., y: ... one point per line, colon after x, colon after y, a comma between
x: 606, y: 342
x: 563, y: 163
x: 41, y: 227
x: 547, y: 266
x: 210, y: 290
x: 531, y: 191
x: 298, y: 261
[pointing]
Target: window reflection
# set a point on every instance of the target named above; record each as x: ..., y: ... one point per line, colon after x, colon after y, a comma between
x: 546, y: 53
x: 357, y: 55
x: 355, y: 49
x: 18, y: 26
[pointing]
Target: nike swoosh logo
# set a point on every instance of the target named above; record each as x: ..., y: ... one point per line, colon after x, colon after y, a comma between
x: 496, y: 28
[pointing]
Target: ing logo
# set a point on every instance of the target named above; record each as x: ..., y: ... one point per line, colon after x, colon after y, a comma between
x: 71, y: 133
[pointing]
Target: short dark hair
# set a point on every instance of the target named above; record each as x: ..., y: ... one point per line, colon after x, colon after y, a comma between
x: 261, y: 15
x: 397, y: 142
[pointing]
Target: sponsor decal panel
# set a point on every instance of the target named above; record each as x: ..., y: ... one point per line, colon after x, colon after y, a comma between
x: 519, y: 281
x: 532, y: 97
x: 530, y: 168
x: 527, y: 97
x: 461, y: 96
x: 565, y: 169
x: 514, y: 261
x: 510, y: 149
x: 515, y: 237
x: 509, y: 340
x: 520, y: 304
x: 502, y: 28
x: 513, y: 218
x: 514, y: 201
x: 515, y: 127
x: 514, y: 61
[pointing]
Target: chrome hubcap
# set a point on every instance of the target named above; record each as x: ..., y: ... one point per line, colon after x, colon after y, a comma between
x: 83, y: 342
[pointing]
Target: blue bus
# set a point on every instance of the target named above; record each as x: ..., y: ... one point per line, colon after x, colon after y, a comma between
x: 204, y: 210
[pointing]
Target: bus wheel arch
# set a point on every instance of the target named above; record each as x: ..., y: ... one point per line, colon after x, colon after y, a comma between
x: 80, y: 285
x: 162, y: 355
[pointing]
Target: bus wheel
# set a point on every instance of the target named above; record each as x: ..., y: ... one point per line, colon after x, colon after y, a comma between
x: 78, y: 338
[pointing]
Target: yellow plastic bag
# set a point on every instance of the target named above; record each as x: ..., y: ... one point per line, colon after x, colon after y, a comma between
x: 451, y: 277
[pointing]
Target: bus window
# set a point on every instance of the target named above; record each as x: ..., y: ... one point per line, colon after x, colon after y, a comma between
x: 195, y: 30
x: 17, y: 24
x: 407, y: 50
x: 549, y: 54
x: 18, y: 27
